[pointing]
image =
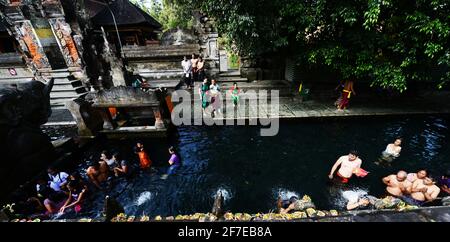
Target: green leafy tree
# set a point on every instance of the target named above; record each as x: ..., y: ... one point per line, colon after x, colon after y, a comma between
x: 390, y: 42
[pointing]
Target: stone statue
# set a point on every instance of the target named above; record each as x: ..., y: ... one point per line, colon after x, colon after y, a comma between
x: 24, y: 149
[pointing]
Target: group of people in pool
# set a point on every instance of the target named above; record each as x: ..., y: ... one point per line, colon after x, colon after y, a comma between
x: 414, y: 188
x: 58, y: 192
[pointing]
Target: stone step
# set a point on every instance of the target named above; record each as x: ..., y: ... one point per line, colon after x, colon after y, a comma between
x: 67, y: 88
x: 232, y: 79
x: 63, y: 94
x: 9, y: 80
x: 236, y: 73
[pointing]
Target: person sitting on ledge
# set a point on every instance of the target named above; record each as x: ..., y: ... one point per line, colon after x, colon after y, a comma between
x: 397, y: 185
x: 349, y: 165
x: 422, y: 191
x: 76, y: 197
x: 54, y: 202
x: 98, y: 173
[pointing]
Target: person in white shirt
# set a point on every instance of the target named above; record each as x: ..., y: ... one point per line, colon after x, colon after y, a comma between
x: 58, y: 180
x: 391, y: 152
x: 394, y: 148
x: 187, y: 71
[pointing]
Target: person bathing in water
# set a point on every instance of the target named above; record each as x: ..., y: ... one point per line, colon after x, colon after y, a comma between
x: 121, y: 168
x: 97, y: 172
x: 349, y: 164
x: 397, y: 185
x: 391, y: 152
x: 421, y: 174
x: 144, y: 161
x: 422, y: 191
x: 174, y: 162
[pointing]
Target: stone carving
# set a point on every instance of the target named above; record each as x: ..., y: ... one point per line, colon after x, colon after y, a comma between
x: 24, y: 147
x: 29, y: 42
x: 122, y: 95
x: 65, y: 41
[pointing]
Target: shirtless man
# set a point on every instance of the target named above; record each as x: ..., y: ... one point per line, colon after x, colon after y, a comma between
x: 412, y: 177
x: 98, y: 173
x: 349, y: 165
x: 397, y: 185
x: 423, y: 190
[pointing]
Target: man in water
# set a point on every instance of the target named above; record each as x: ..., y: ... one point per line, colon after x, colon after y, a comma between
x: 397, y: 185
x: 349, y: 165
x: 97, y: 173
x: 421, y: 174
x: 422, y: 191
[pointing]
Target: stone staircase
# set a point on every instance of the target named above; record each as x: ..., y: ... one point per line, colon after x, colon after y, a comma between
x: 65, y: 87
x: 231, y: 76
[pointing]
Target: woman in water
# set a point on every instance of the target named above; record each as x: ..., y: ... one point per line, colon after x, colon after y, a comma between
x: 174, y: 162
x: 391, y: 152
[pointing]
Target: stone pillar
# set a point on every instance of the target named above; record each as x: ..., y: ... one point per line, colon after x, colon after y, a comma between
x: 116, y: 64
x: 88, y: 120
x: 159, y: 123
x: 223, y: 61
